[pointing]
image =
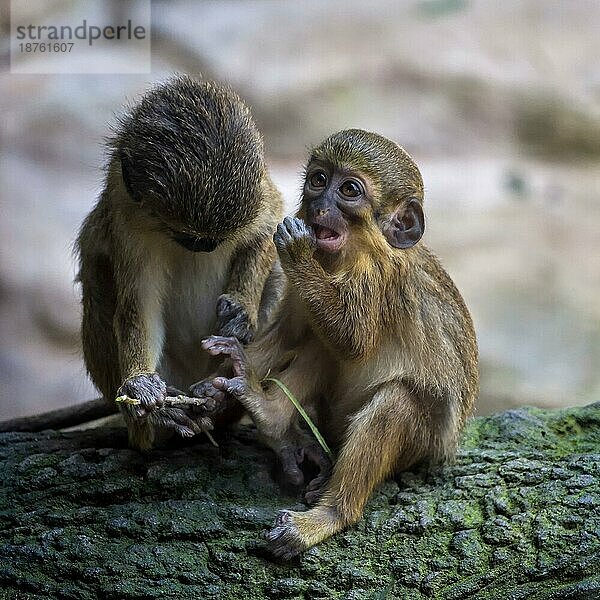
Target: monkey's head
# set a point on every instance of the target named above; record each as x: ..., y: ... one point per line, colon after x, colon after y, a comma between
x: 192, y: 158
x: 362, y: 190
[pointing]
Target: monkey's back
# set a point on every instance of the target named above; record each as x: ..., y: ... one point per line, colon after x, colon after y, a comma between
x: 98, y: 296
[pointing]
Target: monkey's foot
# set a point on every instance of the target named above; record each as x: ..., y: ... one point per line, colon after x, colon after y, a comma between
x: 295, y: 532
x: 318, y: 457
x: 294, y: 240
x: 233, y: 319
x: 216, y: 345
x: 292, y: 458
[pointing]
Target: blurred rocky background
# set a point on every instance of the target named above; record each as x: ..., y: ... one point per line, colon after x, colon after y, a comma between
x: 499, y: 103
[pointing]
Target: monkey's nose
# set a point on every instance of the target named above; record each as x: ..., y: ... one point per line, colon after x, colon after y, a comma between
x: 323, y: 212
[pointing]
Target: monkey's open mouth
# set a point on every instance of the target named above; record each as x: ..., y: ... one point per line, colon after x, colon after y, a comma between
x: 328, y: 239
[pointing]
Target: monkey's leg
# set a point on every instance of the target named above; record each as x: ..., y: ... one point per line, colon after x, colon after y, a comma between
x: 389, y: 433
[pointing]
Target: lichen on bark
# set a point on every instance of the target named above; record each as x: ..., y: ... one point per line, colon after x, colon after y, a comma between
x: 516, y: 516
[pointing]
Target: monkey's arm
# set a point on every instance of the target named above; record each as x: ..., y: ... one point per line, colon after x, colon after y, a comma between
x: 237, y: 308
x: 138, y: 330
x: 391, y: 432
x: 138, y: 327
x: 342, y: 310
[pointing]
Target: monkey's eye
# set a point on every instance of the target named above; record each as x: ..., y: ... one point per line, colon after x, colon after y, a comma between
x: 318, y: 179
x: 351, y: 189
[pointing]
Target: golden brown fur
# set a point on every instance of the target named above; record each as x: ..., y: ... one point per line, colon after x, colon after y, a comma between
x: 374, y: 339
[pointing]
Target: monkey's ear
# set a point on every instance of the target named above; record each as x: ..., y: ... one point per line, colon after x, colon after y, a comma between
x: 127, y: 172
x: 407, y: 225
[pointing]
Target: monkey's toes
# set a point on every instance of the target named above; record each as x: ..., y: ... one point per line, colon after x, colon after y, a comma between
x: 315, y: 489
x: 176, y: 419
x: 238, y: 327
x: 226, y: 305
x: 284, y: 539
x: 218, y: 344
x: 289, y: 466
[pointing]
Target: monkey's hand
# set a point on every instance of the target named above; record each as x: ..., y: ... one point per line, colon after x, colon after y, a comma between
x: 295, y: 241
x: 207, y: 391
x: 238, y: 386
x: 233, y: 319
x: 217, y: 345
x: 148, y: 389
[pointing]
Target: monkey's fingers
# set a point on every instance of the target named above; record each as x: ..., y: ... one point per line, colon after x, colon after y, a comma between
x: 213, y: 398
x: 216, y: 345
x: 297, y: 228
x: 235, y: 386
x: 148, y: 388
x: 175, y: 418
x: 281, y: 237
x: 294, y: 240
x: 173, y: 391
x: 289, y: 467
x: 233, y: 320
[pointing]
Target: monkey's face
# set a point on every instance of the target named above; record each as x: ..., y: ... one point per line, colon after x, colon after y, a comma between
x: 333, y: 199
x: 194, y: 243
x: 362, y: 192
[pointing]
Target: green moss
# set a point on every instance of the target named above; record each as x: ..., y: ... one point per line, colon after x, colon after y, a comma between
x: 517, y: 515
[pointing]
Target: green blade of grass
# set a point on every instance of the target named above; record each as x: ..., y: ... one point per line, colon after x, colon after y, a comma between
x: 302, y: 412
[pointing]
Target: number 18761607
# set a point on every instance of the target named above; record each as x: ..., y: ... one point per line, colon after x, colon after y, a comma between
x: 46, y: 46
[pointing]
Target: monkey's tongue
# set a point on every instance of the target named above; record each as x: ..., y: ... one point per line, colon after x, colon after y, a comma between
x: 324, y: 233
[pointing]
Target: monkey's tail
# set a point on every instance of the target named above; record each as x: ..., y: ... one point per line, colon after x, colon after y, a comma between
x: 62, y: 417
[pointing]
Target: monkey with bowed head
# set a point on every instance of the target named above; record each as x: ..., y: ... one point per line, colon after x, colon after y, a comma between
x: 178, y: 247
x: 372, y: 337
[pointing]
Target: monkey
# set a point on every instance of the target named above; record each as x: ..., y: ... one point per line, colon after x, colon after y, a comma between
x: 178, y: 246
x: 371, y: 335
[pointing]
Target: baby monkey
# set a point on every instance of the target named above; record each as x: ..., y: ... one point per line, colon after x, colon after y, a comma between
x: 177, y: 247
x: 372, y: 337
